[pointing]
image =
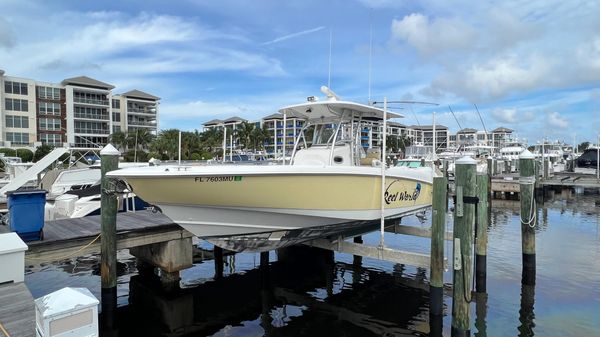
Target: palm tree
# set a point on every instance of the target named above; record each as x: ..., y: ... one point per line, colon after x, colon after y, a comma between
x: 167, y: 143
x: 243, y: 134
x: 212, y: 139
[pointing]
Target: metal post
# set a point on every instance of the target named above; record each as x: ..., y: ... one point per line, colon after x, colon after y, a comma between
x: 464, y: 218
x: 179, y: 149
x: 528, y: 215
x: 481, y: 237
x: 284, y: 136
x: 108, y: 244
x: 218, y: 253
x: 383, y: 162
x: 224, y: 142
x: 438, y: 224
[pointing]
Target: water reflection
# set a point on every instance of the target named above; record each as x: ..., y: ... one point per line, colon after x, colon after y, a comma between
x: 526, y: 313
x: 304, y: 293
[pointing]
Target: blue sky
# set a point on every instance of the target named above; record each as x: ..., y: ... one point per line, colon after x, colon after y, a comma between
x: 533, y: 66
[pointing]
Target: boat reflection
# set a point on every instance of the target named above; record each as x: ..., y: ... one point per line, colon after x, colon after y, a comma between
x: 304, y: 293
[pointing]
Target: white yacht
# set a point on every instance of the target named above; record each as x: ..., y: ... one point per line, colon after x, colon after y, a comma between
x: 329, y: 186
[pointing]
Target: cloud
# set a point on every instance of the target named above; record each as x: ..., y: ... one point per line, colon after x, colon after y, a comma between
x: 430, y: 38
x: 512, y: 116
x: 495, y: 78
x: 556, y: 120
x: 293, y: 35
x: 7, y: 38
x: 116, y: 44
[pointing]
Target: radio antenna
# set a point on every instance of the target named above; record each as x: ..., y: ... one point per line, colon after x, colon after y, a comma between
x: 370, y: 50
x: 329, y: 67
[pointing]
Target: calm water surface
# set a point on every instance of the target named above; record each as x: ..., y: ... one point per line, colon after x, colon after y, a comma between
x: 314, y: 293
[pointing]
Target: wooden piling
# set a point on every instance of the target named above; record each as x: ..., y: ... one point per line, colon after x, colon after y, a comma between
x: 528, y: 215
x: 438, y: 225
x: 481, y: 237
x: 108, y: 206
x: 464, y: 218
x: 108, y: 243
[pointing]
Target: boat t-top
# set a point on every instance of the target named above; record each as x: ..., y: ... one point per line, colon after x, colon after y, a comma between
x: 331, y: 185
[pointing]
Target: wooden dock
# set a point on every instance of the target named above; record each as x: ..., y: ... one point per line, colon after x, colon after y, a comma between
x: 66, y: 238
x: 17, y: 310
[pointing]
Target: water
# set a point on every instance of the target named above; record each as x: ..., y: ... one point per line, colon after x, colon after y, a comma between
x: 308, y: 293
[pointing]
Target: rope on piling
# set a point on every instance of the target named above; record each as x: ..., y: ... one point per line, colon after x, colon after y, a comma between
x: 529, y: 181
x: 68, y: 255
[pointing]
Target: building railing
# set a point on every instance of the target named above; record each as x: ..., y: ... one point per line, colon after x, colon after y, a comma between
x: 92, y: 116
x: 90, y: 101
x: 138, y: 123
x: 92, y: 131
x: 148, y: 110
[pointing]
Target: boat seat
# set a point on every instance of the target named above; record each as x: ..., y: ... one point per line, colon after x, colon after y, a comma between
x: 372, y: 158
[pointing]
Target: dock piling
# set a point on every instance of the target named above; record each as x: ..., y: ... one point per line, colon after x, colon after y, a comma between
x: 528, y: 215
x: 464, y: 218
x: 481, y: 237
x: 438, y: 225
x: 108, y: 251
x: 218, y: 253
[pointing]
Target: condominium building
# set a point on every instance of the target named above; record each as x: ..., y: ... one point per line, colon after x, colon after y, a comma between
x: 274, y: 126
x: 77, y: 112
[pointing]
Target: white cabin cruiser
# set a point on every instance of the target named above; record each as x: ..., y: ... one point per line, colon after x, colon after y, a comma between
x: 330, y: 186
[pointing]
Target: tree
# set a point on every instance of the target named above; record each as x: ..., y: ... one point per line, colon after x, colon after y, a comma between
x: 119, y: 140
x: 212, y: 139
x: 41, y: 152
x: 583, y: 146
x: 166, y: 143
x: 244, y: 134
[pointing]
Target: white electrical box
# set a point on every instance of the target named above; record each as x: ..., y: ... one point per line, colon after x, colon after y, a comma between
x: 12, y: 258
x: 67, y: 312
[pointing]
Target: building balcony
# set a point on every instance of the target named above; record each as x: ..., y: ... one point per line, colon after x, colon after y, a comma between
x: 150, y: 110
x: 96, y: 117
x: 142, y: 123
x: 90, y: 101
x: 92, y: 131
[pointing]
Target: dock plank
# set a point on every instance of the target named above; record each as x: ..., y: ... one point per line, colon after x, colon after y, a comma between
x: 17, y: 310
x: 66, y: 237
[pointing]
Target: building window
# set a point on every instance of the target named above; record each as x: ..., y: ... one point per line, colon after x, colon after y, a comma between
x: 91, y: 127
x: 15, y: 88
x: 17, y: 122
x: 50, y: 139
x: 91, y: 113
x: 49, y: 108
x: 116, y: 116
x: 18, y: 138
x: 16, y: 104
x: 48, y: 93
x: 116, y: 128
x: 49, y: 124
x: 90, y: 98
x: 116, y: 104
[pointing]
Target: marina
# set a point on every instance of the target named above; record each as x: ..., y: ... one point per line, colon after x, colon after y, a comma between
x: 313, y: 168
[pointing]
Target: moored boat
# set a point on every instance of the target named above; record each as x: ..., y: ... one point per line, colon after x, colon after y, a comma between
x: 329, y: 186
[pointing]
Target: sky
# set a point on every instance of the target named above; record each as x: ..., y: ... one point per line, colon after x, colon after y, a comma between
x: 532, y: 66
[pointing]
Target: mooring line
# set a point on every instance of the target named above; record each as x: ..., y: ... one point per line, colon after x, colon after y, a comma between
x: 4, y: 330
x: 68, y: 255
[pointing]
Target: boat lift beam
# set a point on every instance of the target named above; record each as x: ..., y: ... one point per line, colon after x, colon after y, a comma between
x: 374, y: 252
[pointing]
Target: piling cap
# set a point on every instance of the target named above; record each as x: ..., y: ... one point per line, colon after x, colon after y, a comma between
x: 65, y: 300
x: 109, y: 150
x: 526, y: 155
x: 466, y: 160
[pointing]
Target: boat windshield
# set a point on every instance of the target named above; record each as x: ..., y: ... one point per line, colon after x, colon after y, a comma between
x: 408, y: 163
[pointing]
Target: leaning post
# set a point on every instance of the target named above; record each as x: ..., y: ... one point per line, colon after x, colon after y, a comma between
x: 481, y: 237
x: 464, y: 218
x: 438, y: 224
x: 108, y: 230
x: 528, y: 215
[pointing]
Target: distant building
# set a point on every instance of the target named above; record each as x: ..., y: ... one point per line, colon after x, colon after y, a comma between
x: 80, y: 112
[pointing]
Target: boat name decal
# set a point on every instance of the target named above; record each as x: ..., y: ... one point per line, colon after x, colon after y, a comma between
x: 391, y: 196
x: 217, y: 179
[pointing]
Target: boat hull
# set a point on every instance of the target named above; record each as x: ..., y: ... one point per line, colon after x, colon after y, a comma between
x: 240, y: 203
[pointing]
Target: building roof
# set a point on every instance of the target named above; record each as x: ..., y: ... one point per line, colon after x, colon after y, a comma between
x: 428, y: 127
x: 140, y: 94
x: 85, y: 81
x: 395, y: 124
x: 467, y: 130
x: 234, y: 119
x: 502, y: 129
x: 213, y: 122
x: 274, y: 116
